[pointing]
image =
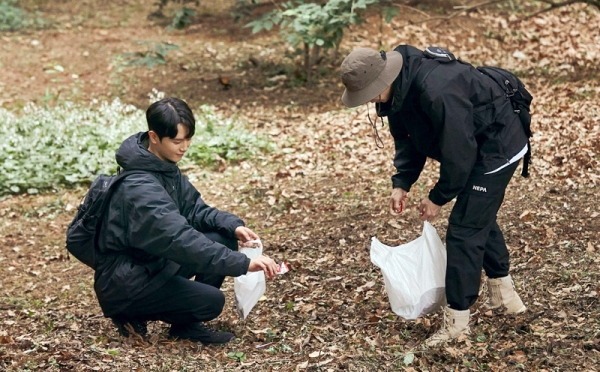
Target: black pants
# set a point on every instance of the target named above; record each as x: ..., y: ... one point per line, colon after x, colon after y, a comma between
x: 182, y: 301
x: 474, y: 240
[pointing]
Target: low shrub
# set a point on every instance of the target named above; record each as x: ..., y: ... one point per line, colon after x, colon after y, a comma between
x: 13, y: 18
x: 51, y: 147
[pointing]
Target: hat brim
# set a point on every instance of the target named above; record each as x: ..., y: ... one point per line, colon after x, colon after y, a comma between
x: 385, y: 79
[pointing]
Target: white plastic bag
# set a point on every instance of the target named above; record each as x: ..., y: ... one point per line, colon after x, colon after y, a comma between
x: 249, y: 288
x: 414, y: 273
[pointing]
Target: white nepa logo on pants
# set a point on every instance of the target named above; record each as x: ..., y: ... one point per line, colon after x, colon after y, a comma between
x: 479, y: 188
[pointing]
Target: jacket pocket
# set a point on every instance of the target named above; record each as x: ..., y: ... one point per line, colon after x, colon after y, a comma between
x: 492, y: 148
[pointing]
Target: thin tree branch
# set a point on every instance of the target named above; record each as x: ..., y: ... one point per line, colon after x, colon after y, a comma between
x: 464, y: 8
x: 595, y: 3
x: 412, y: 8
x: 552, y: 6
x: 461, y: 10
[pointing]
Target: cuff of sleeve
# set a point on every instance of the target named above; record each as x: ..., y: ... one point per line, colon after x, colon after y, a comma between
x: 436, y: 197
x: 246, y: 266
x: 396, y: 183
x: 234, y: 227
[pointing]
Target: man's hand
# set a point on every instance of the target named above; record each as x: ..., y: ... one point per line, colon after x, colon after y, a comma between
x: 428, y: 210
x: 265, y: 264
x: 398, y: 200
x: 244, y: 234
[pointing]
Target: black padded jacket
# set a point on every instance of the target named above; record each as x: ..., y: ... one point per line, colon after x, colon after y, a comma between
x: 153, y: 226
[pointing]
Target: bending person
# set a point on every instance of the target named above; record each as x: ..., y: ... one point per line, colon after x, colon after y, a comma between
x: 447, y: 110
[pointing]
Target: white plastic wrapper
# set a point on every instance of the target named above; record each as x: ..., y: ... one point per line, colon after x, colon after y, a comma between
x: 414, y: 273
x: 282, y: 268
x: 251, y: 287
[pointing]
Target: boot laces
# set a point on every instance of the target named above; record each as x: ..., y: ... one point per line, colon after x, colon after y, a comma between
x: 444, y: 329
x: 207, y: 329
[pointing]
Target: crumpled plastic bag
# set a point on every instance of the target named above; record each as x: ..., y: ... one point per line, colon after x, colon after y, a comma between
x: 251, y: 287
x: 414, y: 273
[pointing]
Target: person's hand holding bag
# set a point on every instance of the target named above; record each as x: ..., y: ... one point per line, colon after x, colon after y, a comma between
x: 249, y: 288
x: 428, y: 211
x: 245, y: 235
x: 265, y: 264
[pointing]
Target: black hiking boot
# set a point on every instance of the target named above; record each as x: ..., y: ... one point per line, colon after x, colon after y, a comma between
x: 198, y: 332
x: 124, y: 325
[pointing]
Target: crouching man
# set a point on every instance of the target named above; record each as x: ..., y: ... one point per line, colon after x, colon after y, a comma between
x: 158, y: 233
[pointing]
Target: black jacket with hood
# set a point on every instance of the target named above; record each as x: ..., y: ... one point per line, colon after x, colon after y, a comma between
x: 153, y: 226
x: 453, y: 113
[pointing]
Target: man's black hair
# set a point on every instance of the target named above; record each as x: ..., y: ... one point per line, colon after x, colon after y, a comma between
x: 163, y: 117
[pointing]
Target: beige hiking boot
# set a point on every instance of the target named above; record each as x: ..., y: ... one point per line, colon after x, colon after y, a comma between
x: 456, y: 323
x: 502, y: 294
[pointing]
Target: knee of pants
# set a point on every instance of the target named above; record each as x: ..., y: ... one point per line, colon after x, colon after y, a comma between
x: 230, y: 243
x: 210, y: 305
x: 222, y: 239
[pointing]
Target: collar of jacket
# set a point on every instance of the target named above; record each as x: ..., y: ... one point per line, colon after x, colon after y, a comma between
x: 133, y: 155
x: 412, y: 61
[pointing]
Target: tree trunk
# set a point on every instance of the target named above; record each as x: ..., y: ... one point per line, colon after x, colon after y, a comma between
x: 307, y: 65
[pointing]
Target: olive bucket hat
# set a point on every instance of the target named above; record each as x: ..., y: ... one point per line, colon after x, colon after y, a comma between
x: 367, y: 73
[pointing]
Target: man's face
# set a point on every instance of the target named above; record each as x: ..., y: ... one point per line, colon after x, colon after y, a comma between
x: 170, y: 149
x: 384, y: 96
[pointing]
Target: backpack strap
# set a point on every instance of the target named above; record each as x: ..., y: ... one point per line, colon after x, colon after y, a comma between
x: 120, y: 176
x: 526, y: 160
x: 511, y: 88
x: 439, y: 54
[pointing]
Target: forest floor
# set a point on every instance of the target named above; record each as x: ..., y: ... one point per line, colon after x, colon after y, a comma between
x: 317, y: 200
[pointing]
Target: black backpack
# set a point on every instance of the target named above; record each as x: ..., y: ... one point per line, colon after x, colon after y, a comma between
x: 520, y: 98
x: 513, y: 87
x: 82, y: 233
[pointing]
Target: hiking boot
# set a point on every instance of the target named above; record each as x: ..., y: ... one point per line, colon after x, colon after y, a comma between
x: 198, y: 332
x: 456, y: 323
x: 125, y: 325
x: 502, y: 294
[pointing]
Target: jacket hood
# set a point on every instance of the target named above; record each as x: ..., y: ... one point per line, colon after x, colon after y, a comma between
x: 134, y: 155
x: 412, y: 61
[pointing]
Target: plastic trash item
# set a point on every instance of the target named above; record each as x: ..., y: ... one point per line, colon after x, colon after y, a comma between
x: 414, y: 273
x: 282, y: 268
x: 251, y: 287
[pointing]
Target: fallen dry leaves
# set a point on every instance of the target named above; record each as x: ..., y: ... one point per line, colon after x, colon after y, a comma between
x: 316, y: 203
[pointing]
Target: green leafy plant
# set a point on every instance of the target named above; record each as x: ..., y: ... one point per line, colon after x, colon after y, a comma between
x: 313, y: 25
x: 409, y: 358
x: 270, y: 335
x: 389, y: 12
x: 182, y: 19
x: 154, y: 54
x: 237, y: 356
x: 162, y: 4
x: 242, y: 8
x: 219, y: 138
x: 13, y: 18
x: 69, y: 144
